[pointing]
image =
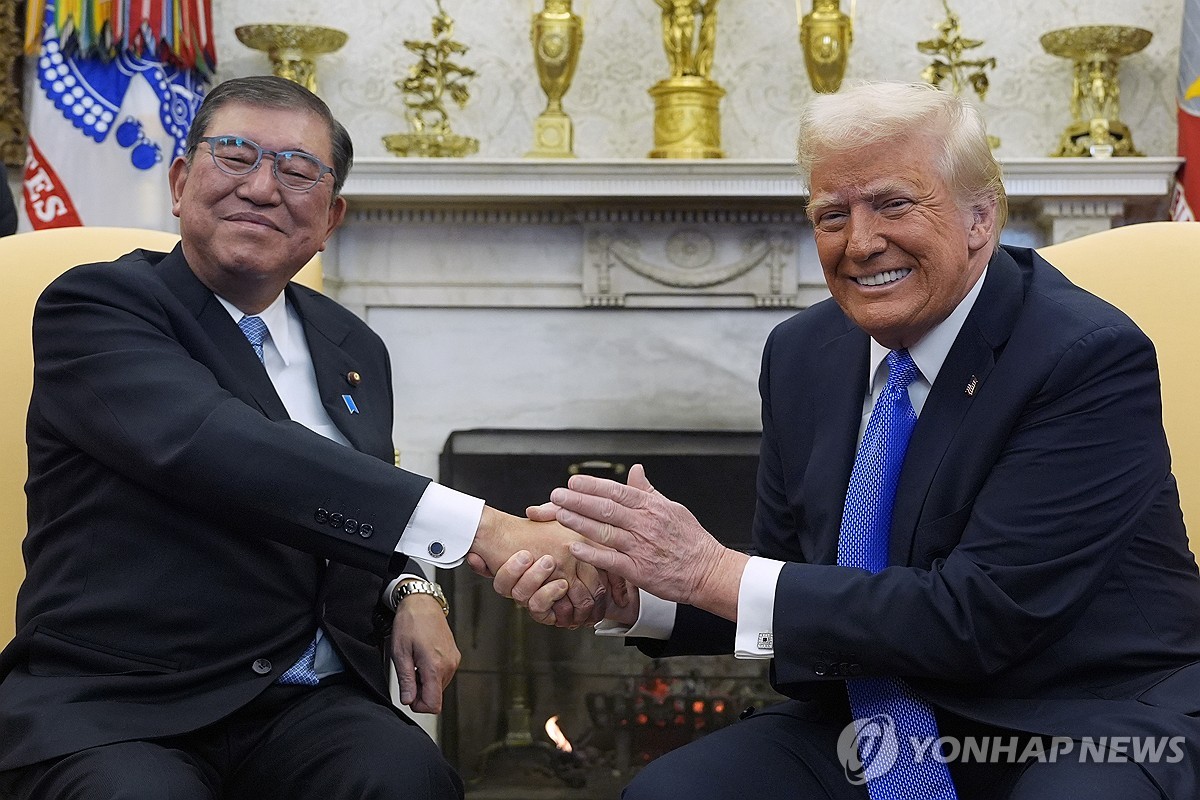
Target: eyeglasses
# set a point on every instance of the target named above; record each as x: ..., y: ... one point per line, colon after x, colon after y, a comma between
x: 293, y: 169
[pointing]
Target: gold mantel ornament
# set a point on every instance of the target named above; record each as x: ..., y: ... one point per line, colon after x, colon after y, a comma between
x: 435, y: 78
x: 948, y: 62
x: 825, y: 36
x: 557, y: 37
x: 687, y: 122
x: 1096, y: 129
x: 293, y: 49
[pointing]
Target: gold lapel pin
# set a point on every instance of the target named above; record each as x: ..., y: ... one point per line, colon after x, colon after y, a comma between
x: 970, y: 390
x: 353, y: 378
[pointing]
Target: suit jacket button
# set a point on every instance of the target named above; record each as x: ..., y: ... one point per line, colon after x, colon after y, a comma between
x: 262, y: 666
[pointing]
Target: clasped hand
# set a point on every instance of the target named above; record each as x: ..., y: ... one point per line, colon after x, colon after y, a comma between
x: 637, y: 538
x: 581, y: 592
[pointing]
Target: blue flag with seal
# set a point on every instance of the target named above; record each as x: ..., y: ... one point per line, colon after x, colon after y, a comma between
x: 111, y: 102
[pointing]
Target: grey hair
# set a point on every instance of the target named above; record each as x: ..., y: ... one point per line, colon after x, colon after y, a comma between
x: 268, y: 91
x: 869, y: 113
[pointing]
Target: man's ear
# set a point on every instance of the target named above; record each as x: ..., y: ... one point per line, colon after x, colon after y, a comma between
x: 177, y: 176
x: 337, y: 213
x: 983, y: 225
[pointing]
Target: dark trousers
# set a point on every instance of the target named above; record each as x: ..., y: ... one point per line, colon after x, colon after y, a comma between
x: 297, y: 743
x: 787, y: 752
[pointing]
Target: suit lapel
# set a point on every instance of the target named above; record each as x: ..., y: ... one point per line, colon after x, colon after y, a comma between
x: 837, y: 407
x: 252, y: 385
x: 968, y: 363
x: 333, y: 365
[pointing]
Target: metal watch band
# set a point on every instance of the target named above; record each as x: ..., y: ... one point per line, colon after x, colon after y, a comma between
x: 405, y: 588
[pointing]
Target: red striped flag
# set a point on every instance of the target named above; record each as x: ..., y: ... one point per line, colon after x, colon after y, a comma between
x: 1185, y: 203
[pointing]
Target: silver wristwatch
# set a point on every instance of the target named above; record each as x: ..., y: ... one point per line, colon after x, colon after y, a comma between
x: 405, y: 588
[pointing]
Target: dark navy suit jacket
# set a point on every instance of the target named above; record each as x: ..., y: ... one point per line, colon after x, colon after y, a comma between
x: 1040, y: 574
x: 179, y: 523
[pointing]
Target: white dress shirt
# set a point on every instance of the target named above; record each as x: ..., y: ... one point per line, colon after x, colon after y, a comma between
x: 756, y: 592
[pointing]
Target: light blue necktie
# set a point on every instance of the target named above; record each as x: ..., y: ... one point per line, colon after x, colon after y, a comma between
x: 303, y: 672
x: 255, y: 331
x: 863, y: 543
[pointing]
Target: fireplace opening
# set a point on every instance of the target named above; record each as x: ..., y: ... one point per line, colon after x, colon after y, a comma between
x: 617, y: 708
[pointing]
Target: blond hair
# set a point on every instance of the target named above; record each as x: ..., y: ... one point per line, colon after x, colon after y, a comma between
x: 869, y: 113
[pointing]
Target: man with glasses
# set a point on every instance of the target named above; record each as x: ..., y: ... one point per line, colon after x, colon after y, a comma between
x: 218, y: 546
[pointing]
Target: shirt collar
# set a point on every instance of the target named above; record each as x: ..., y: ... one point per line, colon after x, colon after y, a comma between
x: 930, y: 352
x: 275, y: 317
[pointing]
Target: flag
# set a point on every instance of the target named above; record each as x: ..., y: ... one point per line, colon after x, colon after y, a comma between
x: 111, y: 99
x: 1185, y: 202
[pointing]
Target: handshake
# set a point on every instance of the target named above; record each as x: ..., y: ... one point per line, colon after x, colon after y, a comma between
x: 581, y: 557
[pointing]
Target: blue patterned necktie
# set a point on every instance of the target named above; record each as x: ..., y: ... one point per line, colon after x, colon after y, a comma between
x: 255, y: 331
x: 303, y: 672
x: 863, y: 543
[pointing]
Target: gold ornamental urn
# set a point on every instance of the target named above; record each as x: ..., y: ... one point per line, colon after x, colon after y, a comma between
x: 293, y: 49
x: 557, y: 37
x: 1096, y: 50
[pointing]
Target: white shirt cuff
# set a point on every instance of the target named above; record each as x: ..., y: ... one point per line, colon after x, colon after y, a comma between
x: 404, y: 576
x: 755, y: 636
x: 656, y: 620
x: 442, y: 527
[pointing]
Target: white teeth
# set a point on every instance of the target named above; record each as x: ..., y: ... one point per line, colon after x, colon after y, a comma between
x: 883, y: 277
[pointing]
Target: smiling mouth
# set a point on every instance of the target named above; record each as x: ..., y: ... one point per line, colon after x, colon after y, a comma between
x: 253, y: 219
x: 883, y: 278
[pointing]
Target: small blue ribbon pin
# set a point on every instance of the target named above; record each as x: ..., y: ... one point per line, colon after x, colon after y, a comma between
x: 350, y: 406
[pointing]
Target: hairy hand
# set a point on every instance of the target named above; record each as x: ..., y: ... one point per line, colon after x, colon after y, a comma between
x: 424, y: 653
x: 637, y: 533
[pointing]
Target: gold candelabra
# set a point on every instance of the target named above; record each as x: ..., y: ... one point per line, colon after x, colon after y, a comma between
x: 825, y: 36
x: 434, y: 79
x: 557, y: 37
x: 293, y: 49
x: 1096, y: 50
x: 687, y: 122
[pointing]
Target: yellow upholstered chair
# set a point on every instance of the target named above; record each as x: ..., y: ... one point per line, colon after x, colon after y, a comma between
x: 1146, y: 271
x: 29, y: 262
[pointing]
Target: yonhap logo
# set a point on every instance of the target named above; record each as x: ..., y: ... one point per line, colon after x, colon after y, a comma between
x: 868, y: 748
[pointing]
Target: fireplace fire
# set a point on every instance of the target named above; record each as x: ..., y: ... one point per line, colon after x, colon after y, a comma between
x: 622, y: 708
x: 555, y: 733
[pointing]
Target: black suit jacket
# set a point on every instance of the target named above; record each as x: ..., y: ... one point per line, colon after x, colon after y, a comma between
x: 1041, y: 578
x: 179, y: 522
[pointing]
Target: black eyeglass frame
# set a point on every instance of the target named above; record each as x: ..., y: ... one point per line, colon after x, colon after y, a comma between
x: 275, y: 154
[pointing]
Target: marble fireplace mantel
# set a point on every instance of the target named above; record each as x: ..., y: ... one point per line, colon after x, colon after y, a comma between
x: 379, y: 182
x: 650, y: 233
